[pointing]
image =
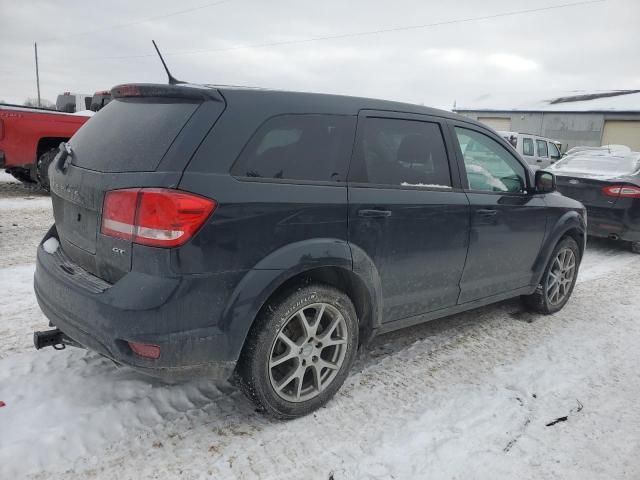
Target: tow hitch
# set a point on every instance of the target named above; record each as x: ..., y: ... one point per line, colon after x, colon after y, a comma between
x: 51, y: 338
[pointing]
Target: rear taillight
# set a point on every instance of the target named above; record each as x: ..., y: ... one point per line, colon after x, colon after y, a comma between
x: 1, y: 130
x: 622, y: 191
x: 159, y: 217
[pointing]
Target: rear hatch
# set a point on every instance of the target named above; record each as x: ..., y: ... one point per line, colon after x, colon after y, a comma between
x: 144, y: 138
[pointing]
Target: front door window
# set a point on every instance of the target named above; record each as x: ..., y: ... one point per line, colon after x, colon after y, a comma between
x: 490, y: 167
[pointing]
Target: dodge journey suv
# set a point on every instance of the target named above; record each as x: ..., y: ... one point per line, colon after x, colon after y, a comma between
x: 261, y: 236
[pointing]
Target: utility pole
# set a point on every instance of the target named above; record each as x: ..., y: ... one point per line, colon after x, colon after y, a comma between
x: 37, y: 73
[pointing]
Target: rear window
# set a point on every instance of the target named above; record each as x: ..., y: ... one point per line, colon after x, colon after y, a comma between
x: 130, y: 135
x: 66, y: 103
x: 299, y: 147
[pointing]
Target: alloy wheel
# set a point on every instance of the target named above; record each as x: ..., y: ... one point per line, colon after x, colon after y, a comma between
x: 561, y: 275
x: 308, y: 352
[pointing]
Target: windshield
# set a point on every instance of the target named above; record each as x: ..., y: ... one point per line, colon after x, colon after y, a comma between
x: 600, y: 165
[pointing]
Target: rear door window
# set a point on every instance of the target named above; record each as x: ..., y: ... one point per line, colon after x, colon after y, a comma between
x: 527, y: 147
x: 542, y: 148
x: 299, y: 147
x: 403, y: 153
x: 130, y: 135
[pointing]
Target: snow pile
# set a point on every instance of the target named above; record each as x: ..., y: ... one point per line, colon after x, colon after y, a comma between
x: 425, y: 185
x: 541, y: 102
x: 51, y: 245
x: 85, y: 113
x: 475, y: 395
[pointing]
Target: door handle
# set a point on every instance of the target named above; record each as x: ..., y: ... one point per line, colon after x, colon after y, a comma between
x: 374, y: 213
x: 487, y: 213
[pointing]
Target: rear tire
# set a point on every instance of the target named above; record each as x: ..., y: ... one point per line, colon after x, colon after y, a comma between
x: 558, y: 280
x: 23, y: 176
x: 299, y: 351
x: 635, y: 247
x: 42, y: 168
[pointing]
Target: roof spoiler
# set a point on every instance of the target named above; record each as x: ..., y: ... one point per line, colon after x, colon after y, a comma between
x: 186, y: 92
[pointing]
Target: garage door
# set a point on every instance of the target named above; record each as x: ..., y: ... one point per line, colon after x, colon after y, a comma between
x: 497, y: 123
x: 623, y: 132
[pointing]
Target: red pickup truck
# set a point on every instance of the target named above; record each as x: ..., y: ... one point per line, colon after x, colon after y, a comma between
x: 29, y: 140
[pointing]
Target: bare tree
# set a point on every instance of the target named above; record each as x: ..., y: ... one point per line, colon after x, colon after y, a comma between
x: 44, y: 103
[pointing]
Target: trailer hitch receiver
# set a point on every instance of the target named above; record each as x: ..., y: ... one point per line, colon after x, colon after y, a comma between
x: 50, y: 338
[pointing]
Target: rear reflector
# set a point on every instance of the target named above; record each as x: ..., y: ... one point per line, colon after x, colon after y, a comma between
x: 145, y: 350
x: 158, y: 217
x: 622, y: 191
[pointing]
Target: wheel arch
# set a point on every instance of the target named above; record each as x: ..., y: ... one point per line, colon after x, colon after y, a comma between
x: 569, y: 224
x: 326, y: 261
x: 47, y: 143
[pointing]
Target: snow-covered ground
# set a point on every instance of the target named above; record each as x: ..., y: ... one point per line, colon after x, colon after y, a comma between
x: 465, y: 397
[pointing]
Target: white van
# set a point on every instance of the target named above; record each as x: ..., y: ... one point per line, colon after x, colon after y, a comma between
x: 537, y: 151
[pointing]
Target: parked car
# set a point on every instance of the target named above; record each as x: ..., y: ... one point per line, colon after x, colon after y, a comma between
x: 608, y: 184
x: 262, y: 236
x: 539, y: 152
x: 29, y: 140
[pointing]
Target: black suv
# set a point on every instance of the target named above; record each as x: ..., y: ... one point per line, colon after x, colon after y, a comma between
x: 262, y: 236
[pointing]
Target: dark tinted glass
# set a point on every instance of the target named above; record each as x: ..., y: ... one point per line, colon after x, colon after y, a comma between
x: 527, y: 147
x: 299, y: 147
x: 130, y: 135
x: 401, y: 152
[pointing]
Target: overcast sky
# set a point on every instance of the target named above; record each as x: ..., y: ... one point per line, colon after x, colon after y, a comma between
x: 586, y: 47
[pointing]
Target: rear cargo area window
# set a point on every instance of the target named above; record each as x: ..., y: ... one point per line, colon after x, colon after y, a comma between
x: 130, y: 135
x: 299, y: 147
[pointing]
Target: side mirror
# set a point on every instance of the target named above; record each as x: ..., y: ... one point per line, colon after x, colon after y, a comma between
x: 545, y: 182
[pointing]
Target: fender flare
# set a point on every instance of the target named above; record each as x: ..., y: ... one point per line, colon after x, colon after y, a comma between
x: 570, y: 220
x: 260, y: 283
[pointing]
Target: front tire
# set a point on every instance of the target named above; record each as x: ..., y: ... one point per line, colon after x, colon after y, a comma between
x: 558, y: 280
x: 300, y: 350
x: 635, y: 247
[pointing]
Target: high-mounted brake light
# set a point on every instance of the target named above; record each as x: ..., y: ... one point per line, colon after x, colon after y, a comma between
x: 621, y: 191
x: 158, y: 217
x: 126, y: 91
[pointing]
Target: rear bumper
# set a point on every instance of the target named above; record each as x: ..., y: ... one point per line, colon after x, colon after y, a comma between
x: 613, y: 223
x: 104, y: 317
